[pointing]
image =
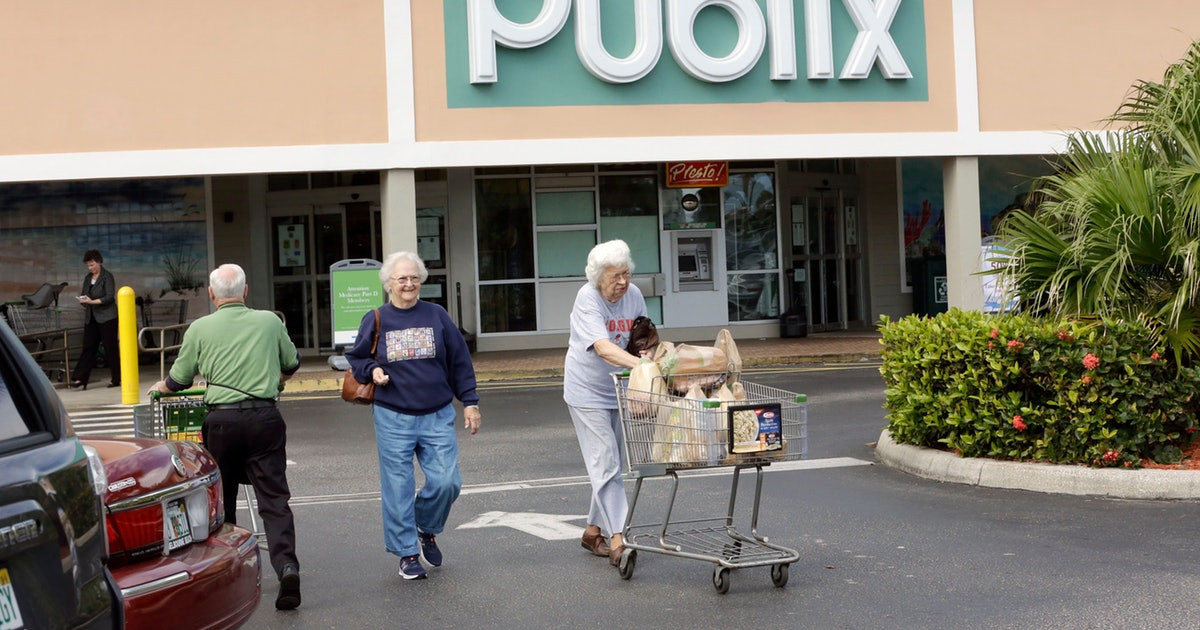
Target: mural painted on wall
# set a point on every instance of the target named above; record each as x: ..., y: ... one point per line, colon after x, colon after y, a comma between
x: 1003, y: 181
x: 151, y: 233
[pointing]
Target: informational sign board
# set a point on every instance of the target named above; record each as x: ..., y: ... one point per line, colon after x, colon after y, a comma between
x: 354, y: 289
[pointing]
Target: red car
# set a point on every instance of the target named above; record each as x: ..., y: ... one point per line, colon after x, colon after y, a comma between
x: 178, y: 565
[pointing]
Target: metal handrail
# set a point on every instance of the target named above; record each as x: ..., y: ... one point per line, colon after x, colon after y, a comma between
x: 162, y: 348
x: 44, y: 348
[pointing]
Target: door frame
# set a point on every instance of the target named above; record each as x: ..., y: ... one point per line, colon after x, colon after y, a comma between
x: 802, y: 264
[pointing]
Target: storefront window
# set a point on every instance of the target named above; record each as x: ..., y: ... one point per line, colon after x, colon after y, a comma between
x: 753, y: 296
x: 629, y: 211
x: 751, y: 244
x: 508, y: 307
x: 504, y: 220
x: 563, y: 253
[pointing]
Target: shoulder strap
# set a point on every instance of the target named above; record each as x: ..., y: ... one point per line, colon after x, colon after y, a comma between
x: 240, y: 391
x: 375, y: 341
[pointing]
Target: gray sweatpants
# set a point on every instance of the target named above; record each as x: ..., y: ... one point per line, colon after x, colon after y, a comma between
x: 603, y: 448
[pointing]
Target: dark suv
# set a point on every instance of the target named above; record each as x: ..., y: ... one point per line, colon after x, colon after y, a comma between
x: 52, y: 533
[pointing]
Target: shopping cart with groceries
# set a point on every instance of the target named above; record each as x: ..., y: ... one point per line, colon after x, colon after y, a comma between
x: 180, y: 416
x: 673, y: 424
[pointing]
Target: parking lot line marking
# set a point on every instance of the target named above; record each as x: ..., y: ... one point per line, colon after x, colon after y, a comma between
x: 580, y: 480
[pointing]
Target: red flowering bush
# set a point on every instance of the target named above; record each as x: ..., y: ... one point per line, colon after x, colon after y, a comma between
x: 1022, y: 388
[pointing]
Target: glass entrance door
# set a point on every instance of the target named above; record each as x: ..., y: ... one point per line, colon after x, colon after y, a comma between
x: 306, y: 240
x: 826, y: 259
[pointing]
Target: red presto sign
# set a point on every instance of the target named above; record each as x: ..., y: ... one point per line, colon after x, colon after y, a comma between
x: 696, y: 174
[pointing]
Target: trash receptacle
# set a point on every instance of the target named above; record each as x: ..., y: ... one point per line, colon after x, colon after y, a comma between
x: 793, y: 323
x: 930, y: 291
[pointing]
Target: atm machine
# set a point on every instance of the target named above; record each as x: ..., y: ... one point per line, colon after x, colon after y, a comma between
x: 693, y: 261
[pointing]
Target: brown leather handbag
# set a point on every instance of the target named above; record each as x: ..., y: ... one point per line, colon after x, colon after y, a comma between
x: 352, y: 390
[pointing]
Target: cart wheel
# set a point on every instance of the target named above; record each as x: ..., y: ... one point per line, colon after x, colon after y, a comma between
x: 628, y: 561
x: 779, y: 574
x: 721, y: 579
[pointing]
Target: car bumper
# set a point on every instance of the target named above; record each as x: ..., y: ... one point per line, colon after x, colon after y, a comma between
x: 215, y: 583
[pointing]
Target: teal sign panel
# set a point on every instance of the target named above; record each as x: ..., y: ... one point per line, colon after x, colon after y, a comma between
x: 551, y: 74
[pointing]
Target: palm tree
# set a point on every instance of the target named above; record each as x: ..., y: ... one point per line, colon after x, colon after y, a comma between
x: 1115, y: 231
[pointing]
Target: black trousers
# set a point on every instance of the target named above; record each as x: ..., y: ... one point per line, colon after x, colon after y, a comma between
x: 93, y: 334
x: 250, y: 447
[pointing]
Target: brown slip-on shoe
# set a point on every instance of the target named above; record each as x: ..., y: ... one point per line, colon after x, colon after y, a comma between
x: 614, y: 556
x: 595, y: 543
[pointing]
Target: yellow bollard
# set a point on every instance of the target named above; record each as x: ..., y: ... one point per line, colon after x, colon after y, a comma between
x: 127, y: 342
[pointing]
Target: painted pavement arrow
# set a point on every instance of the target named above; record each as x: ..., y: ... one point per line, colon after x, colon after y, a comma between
x: 544, y: 526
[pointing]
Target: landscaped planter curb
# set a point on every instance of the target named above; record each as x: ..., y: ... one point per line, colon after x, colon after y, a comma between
x: 1061, y: 479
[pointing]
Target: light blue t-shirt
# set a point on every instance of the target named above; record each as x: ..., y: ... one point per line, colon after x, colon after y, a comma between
x: 587, y: 378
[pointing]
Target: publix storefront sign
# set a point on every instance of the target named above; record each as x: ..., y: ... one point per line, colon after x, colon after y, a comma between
x: 503, y: 53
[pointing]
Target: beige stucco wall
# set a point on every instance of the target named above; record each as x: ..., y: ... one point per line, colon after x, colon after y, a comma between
x: 131, y: 75
x: 436, y: 122
x: 1067, y: 64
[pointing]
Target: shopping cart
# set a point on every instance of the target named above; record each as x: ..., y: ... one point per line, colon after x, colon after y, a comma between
x: 666, y: 433
x: 180, y: 416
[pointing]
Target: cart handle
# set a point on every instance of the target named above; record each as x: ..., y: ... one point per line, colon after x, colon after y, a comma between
x: 182, y: 392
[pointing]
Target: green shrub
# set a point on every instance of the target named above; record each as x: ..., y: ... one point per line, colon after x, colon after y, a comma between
x: 1022, y: 388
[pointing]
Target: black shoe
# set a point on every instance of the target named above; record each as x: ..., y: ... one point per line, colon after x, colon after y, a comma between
x: 77, y: 384
x: 114, y: 384
x: 289, y: 588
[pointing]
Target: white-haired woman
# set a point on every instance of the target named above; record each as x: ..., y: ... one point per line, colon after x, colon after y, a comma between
x: 422, y: 364
x: 601, y: 319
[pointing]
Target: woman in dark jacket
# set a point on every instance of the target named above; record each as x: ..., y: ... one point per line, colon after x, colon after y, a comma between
x: 99, y: 299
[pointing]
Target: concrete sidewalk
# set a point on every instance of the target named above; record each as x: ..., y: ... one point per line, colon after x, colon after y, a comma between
x: 315, y: 374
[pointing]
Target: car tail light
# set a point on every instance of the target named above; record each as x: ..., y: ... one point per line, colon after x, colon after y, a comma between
x: 216, y: 505
x: 96, y: 469
x: 137, y: 532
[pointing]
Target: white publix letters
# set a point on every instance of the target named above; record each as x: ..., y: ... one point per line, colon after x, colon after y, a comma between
x: 487, y: 28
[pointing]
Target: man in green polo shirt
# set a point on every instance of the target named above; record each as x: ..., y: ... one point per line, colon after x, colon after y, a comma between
x: 245, y: 355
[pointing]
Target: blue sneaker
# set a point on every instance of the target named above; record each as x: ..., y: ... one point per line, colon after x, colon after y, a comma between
x: 429, y: 549
x: 411, y: 569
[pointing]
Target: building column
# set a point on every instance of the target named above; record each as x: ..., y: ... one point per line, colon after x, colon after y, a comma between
x: 461, y: 246
x: 398, y: 198
x: 960, y: 177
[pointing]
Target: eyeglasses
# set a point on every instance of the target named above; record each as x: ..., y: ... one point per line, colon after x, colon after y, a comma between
x: 404, y: 279
x: 625, y: 275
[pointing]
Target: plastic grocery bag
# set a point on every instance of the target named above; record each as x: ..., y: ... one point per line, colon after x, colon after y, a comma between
x: 733, y: 358
x: 678, y: 437
x: 645, y: 388
x: 686, y: 365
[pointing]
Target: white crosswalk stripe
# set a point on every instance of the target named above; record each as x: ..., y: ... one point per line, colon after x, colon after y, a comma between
x: 111, y: 421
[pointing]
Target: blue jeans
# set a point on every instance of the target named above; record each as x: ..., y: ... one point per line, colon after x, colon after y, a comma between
x: 431, y: 438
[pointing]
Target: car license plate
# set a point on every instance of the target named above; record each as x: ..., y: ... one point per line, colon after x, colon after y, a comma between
x: 175, y: 521
x: 10, y: 613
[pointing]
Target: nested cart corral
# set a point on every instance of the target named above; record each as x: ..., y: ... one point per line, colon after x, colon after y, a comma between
x: 749, y: 426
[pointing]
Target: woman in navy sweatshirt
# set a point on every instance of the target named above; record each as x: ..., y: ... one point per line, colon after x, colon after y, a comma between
x: 420, y: 365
